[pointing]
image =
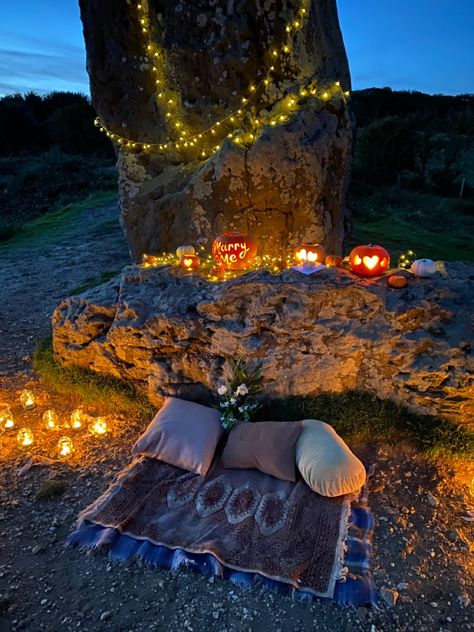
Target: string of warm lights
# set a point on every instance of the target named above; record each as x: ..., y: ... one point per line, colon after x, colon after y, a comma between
x: 241, y: 126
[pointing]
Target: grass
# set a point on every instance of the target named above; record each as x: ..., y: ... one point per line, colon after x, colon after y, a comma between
x: 52, y: 489
x: 360, y: 416
x: 93, y: 388
x: 94, y: 281
x: 434, y: 227
x: 54, y: 223
x: 357, y: 416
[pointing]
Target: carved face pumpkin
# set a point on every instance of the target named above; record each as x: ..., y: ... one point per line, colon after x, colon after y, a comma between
x: 369, y: 260
x: 189, y: 262
x: 309, y: 254
x: 234, y: 251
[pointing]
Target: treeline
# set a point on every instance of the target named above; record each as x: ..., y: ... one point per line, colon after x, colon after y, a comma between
x: 63, y: 120
x: 414, y: 140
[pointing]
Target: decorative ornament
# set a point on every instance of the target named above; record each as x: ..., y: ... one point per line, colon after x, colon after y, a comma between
x: 185, y: 250
x: 65, y: 447
x: 334, y: 261
x: 309, y: 254
x: 423, y: 268
x: 7, y: 422
x: 149, y: 261
x: 77, y: 417
x: 398, y: 281
x: 190, y: 262
x: 234, y: 251
x: 51, y: 419
x: 369, y: 260
x: 25, y: 437
x: 98, y: 427
x: 406, y: 259
x: 27, y: 399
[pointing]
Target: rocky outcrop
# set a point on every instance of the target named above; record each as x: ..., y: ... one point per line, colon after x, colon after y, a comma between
x: 287, y: 182
x: 171, y: 332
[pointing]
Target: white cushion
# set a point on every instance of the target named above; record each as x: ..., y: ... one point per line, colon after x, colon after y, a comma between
x: 325, y: 462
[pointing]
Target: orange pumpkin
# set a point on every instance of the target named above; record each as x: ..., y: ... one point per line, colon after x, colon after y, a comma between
x: 218, y: 272
x: 309, y: 254
x: 190, y: 262
x: 234, y: 251
x: 395, y: 280
x: 333, y: 261
x: 369, y: 260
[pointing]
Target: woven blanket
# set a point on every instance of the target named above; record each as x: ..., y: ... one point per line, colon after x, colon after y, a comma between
x: 248, y: 521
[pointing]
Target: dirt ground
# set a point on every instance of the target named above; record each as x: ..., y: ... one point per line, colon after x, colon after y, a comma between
x: 422, y: 544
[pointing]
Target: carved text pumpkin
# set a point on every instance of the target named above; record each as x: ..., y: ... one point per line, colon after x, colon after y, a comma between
x: 310, y: 254
x: 423, y: 268
x: 369, y: 260
x: 234, y: 251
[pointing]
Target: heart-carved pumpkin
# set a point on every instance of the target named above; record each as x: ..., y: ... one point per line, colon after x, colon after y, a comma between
x: 189, y: 262
x: 234, y: 251
x: 369, y: 260
x: 309, y: 254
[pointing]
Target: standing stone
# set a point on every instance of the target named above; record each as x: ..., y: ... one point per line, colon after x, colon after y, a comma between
x: 286, y: 185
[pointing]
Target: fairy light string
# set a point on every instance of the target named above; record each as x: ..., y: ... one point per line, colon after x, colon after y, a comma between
x: 240, y: 126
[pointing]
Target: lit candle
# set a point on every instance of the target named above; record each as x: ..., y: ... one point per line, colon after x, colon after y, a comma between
x: 6, y: 418
x: 98, y: 426
x: 27, y: 399
x: 25, y: 437
x: 76, y: 418
x: 51, y: 419
x: 65, y: 447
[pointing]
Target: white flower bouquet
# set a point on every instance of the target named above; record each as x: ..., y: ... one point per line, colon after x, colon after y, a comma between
x: 237, y: 401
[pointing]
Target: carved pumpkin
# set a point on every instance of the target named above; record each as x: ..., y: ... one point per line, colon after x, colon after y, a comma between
x: 423, y: 268
x: 189, y: 262
x: 185, y: 250
x: 310, y: 254
x: 369, y: 260
x: 398, y: 281
x: 333, y: 261
x: 234, y: 251
x: 148, y: 261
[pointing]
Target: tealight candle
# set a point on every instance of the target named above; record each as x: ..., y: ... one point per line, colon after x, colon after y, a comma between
x: 51, y: 419
x: 65, y: 447
x: 98, y: 427
x: 6, y: 418
x: 77, y: 416
x: 25, y: 437
x: 27, y: 399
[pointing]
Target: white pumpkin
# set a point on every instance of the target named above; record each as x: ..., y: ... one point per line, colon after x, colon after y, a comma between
x: 181, y: 251
x: 423, y: 268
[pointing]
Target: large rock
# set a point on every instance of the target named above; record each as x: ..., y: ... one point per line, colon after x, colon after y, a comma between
x: 170, y: 332
x: 288, y: 184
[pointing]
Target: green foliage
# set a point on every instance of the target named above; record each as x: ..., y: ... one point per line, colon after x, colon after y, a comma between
x: 94, y: 281
x: 52, y: 489
x: 113, y: 394
x: 244, y: 373
x: 360, y: 416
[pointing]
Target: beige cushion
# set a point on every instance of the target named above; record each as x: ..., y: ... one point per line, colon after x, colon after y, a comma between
x: 268, y: 446
x: 325, y: 462
x: 183, y: 434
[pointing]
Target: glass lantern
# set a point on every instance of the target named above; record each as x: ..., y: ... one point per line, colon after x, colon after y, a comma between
x: 27, y: 399
x: 25, y: 437
x: 51, y: 419
x: 6, y: 418
x: 65, y: 447
x: 77, y: 419
x: 98, y: 427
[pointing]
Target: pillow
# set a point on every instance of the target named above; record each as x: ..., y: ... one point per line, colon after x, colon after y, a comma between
x: 183, y: 434
x: 268, y: 446
x: 325, y: 462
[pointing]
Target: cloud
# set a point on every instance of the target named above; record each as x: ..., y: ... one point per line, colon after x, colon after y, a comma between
x: 38, y: 64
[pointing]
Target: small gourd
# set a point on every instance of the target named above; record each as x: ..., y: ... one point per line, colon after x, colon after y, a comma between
x: 398, y: 281
x: 185, y: 250
x: 334, y: 261
x: 423, y: 268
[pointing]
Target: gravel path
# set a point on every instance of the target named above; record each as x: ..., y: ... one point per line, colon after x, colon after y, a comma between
x: 422, y: 545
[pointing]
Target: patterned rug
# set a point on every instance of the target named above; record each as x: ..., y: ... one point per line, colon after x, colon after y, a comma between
x: 242, y: 525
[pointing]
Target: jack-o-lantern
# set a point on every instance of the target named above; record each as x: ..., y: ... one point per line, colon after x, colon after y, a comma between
x: 369, y: 260
x: 334, y: 261
x: 185, y: 250
x: 423, y: 268
x: 190, y: 262
x: 310, y: 254
x: 234, y: 251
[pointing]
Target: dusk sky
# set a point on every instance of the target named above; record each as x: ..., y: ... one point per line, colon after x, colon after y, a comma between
x: 421, y: 45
